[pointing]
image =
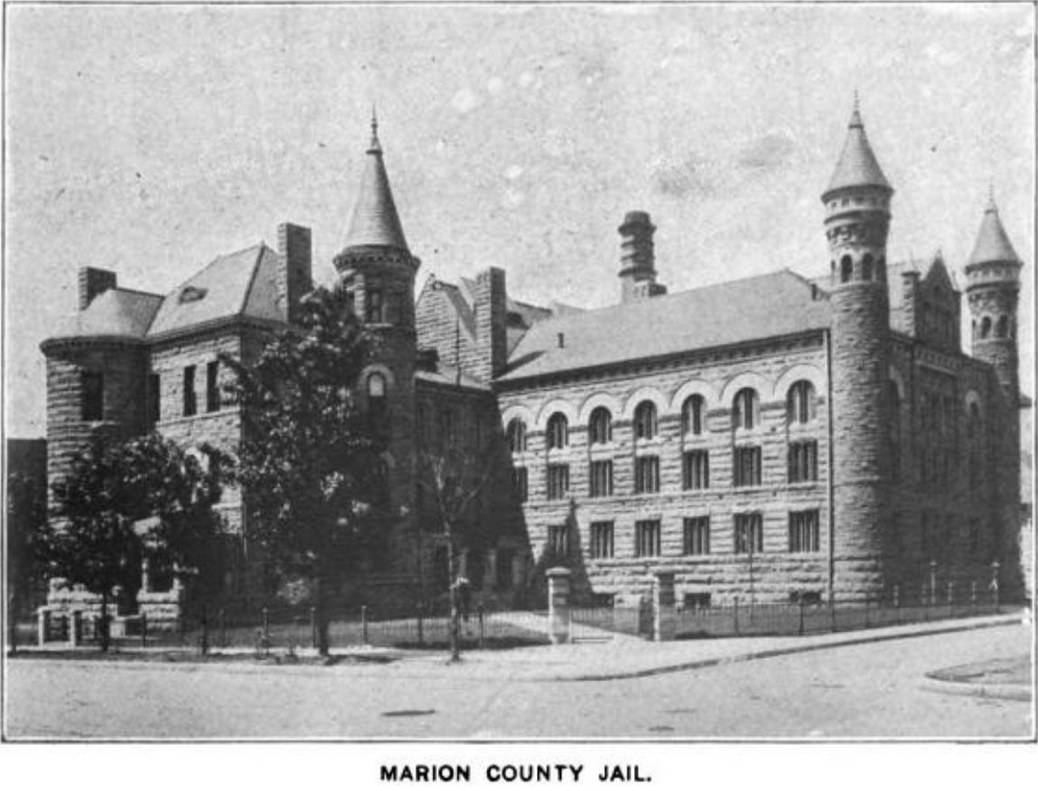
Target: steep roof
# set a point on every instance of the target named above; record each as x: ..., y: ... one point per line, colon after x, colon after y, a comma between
x: 857, y: 165
x: 781, y: 303
x: 992, y: 241
x: 375, y: 220
x: 117, y: 312
x: 235, y: 285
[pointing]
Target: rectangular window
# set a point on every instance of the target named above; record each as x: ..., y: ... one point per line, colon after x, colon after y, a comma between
x: 374, y: 305
x: 558, y: 481
x: 503, y: 561
x: 647, y: 538
x: 446, y: 428
x: 93, y: 395
x: 190, y: 399
x: 154, y: 398
x: 601, y: 539
x: 697, y: 601
x: 697, y: 536
x: 212, y: 386
x: 749, y: 534
x: 747, y: 468
x: 521, y: 483
x: 803, y: 531
x: 601, y: 479
x: 803, y: 461
x: 558, y: 540
x: 646, y: 474
x: 695, y: 471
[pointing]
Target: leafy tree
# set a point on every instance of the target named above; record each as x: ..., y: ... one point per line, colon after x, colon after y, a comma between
x: 92, y: 539
x: 309, y: 464
x: 26, y: 518
x: 454, y: 479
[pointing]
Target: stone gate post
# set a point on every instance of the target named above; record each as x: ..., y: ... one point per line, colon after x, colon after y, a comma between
x: 558, y: 605
x: 663, y: 617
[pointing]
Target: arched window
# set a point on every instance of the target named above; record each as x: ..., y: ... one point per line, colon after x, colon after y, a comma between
x: 866, y: 267
x: 601, y: 426
x: 846, y: 269
x: 800, y: 402
x: 746, y: 408
x: 693, y: 415
x: 516, y: 432
x: 985, y: 327
x: 558, y: 431
x: 1002, y: 328
x: 377, y: 409
x: 645, y: 420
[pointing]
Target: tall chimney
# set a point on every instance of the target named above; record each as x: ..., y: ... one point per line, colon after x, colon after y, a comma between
x: 638, y: 258
x: 93, y: 282
x: 295, y: 273
x: 491, y: 308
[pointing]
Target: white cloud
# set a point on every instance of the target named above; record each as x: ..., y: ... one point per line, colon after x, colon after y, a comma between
x: 465, y: 101
x: 495, y: 85
x: 513, y: 172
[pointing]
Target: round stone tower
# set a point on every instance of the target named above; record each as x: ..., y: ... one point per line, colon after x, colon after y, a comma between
x: 993, y: 287
x: 96, y: 370
x: 857, y: 218
x: 377, y: 271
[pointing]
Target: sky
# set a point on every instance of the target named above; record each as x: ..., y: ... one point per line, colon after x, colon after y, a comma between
x: 150, y: 139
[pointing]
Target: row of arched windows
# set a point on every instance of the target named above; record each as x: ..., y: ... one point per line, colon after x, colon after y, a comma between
x: 871, y: 268
x: 1001, y: 328
x: 800, y: 409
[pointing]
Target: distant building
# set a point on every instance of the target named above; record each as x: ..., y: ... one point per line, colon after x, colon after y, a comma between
x: 768, y: 437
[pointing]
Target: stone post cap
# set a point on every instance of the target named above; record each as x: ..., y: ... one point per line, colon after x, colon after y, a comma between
x: 559, y: 571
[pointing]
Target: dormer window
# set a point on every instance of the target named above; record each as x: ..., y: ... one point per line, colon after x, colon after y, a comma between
x: 191, y: 294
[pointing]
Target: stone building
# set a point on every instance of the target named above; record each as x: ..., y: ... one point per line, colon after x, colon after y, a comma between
x: 770, y: 437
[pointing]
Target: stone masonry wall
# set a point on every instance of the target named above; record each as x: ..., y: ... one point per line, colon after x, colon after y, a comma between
x: 771, y: 574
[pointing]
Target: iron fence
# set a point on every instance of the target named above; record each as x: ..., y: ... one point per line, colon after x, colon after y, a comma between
x: 266, y: 629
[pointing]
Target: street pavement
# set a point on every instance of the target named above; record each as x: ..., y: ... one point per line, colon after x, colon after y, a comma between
x: 847, y: 685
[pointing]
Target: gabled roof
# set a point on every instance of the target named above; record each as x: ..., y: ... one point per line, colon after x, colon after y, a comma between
x: 375, y: 220
x: 117, y: 312
x: 857, y: 165
x: 239, y: 284
x: 993, y: 243
x: 777, y: 304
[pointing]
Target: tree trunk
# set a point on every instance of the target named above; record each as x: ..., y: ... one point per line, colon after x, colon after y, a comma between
x: 321, y: 613
x: 103, y: 625
x: 455, y: 625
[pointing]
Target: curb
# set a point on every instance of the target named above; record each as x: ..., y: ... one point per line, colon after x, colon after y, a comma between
x: 775, y: 652
x: 966, y: 689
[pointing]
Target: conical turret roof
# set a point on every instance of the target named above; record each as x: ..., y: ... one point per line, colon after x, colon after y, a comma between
x: 992, y: 242
x: 375, y: 222
x: 857, y: 166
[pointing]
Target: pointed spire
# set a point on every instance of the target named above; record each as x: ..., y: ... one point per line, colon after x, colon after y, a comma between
x: 375, y: 146
x: 375, y: 221
x: 857, y: 166
x: 992, y: 243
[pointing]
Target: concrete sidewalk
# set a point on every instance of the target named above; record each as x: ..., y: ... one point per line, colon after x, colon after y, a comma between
x: 634, y: 659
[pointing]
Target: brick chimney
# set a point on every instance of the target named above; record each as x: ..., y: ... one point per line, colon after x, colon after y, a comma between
x: 638, y: 258
x: 92, y: 283
x: 491, y: 309
x: 295, y: 272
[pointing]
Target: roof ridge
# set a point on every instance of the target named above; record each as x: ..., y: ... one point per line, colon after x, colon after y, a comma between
x: 247, y: 291
x: 137, y: 291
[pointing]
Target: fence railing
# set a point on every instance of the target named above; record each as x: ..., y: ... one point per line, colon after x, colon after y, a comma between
x: 265, y: 629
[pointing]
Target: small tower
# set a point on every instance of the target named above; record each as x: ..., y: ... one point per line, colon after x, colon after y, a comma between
x: 993, y: 287
x: 638, y: 258
x: 857, y: 217
x: 377, y: 271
